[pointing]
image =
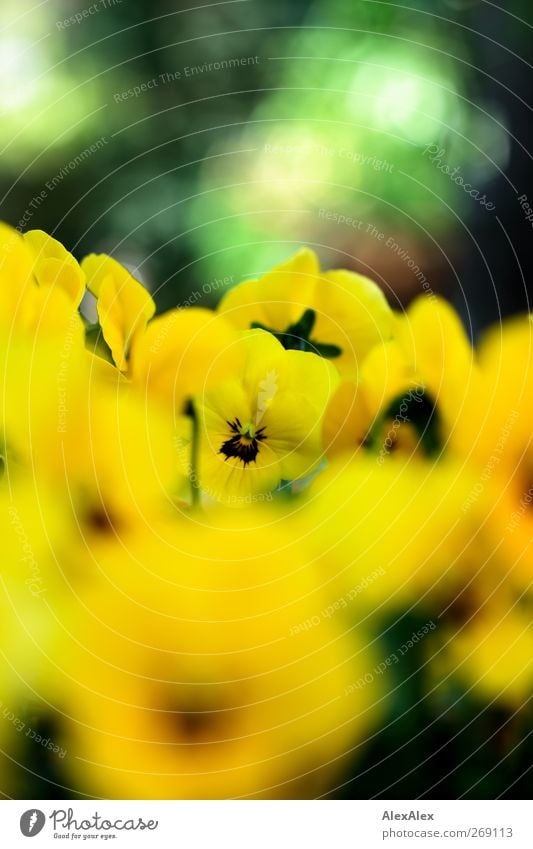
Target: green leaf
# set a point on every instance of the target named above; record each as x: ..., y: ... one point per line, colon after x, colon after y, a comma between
x: 303, y: 327
x: 296, y: 336
x: 96, y: 344
x: 330, y: 352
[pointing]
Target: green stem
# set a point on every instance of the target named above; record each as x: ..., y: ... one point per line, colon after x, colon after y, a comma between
x: 195, y: 445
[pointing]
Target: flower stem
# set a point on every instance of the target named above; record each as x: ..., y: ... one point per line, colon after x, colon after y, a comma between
x: 195, y: 444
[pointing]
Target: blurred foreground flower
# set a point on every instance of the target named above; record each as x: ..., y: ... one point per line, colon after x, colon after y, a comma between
x: 186, y: 676
x: 493, y: 434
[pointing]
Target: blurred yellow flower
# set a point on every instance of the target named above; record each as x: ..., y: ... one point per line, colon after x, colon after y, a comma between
x: 35, y: 532
x: 493, y: 434
x: 263, y: 425
x: 42, y: 378
x: 397, y: 531
x: 186, y: 675
x: 110, y: 450
x: 128, y: 473
x: 491, y: 653
x: 39, y: 561
x: 16, y: 269
x: 37, y: 275
x: 377, y: 408
x: 336, y: 314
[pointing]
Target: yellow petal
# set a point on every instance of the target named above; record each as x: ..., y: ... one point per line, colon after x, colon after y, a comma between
x: 55, y: 266
x: 16, y: 267
x: 435, y: 344
x: 243, y: 305
x: 352, y: 313
x: 400, y: 524
x: 311, y: 376
x: 230, y: 482
x: 492, y: 654
x: 347, y: 420
x: 49, y: 312
x: 386, y: 374
x: 293, y: 426
x: 124, y: 306
x: 278, y: 299
x: 182, y: 353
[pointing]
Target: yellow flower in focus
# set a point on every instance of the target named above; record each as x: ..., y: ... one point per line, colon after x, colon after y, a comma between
x: 264, y: 424
x: 188, y: 674
x: 336, y: 314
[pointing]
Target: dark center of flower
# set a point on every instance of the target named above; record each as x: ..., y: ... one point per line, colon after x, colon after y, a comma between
x: 99, y: 520
x: 244, y: 442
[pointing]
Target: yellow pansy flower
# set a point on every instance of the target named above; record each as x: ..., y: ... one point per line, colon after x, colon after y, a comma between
x: 263, y: 425
x: 410, y: 390
x: 186, y: 675
x: 336, y: 314
x: 362, y: 410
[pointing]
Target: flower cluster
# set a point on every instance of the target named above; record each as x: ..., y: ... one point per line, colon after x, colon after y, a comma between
x: 173, y: 646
